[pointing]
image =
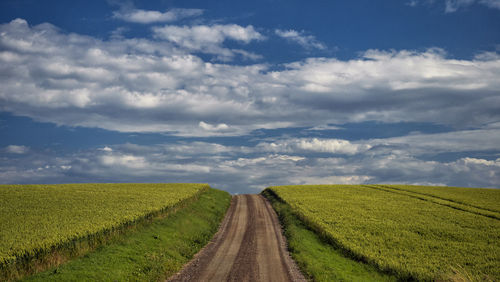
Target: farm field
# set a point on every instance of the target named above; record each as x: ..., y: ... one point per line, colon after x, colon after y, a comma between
x: 42, y: 224
x: 411, y: 237
x: 151, y: 252
x: 318, y: 260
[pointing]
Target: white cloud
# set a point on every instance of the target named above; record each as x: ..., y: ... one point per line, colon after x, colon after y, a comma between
x: 17, y: 149
x: 128, y: 161
x: 480, y: 162
x: 147, y: 17
x: 330, y: 146
x: 209, y: 39
x: 289, y: 158
x: 346, y: 179
x: 334, y: 146
x: 273, y: 159
x: 306, y: 41
x: 209, y: 127
x: 144, y: 164
x: 190, y: 149
x: 141, y: 85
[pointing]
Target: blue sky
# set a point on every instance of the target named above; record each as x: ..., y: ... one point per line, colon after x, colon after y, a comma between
x: 247, y: 94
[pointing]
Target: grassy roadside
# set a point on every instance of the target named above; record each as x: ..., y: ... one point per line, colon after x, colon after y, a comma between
x: 320, y: 261
x: 152, y: 252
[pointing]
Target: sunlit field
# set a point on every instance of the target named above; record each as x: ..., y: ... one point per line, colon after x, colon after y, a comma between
x: 422, y: 233
x: 37, y: 220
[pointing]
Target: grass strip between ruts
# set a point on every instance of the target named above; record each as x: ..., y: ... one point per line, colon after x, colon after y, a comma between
x: 151, y: 252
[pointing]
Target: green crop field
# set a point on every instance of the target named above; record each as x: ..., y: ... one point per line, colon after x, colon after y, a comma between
x: 423, y: 233
x: 37, y: 220
x: 152, y: 251
x: 486, y: 199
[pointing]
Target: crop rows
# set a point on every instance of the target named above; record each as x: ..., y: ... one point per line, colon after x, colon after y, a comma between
x: 413, y: 237
x: 38, y: 219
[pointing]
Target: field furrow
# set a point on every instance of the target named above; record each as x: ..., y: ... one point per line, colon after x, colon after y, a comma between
x: 482, y: 199
x: 438, y: 200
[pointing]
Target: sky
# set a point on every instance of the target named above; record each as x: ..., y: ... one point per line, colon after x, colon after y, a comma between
x: 249, y: 94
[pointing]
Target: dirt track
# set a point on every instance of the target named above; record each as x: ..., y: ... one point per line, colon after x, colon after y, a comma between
x: 248, y: 247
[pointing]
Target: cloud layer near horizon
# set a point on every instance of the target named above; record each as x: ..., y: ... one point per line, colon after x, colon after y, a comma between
x: 247, y: 169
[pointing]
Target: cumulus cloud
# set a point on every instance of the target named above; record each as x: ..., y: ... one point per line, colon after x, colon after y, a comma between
x: 334, y: 146
x: 209, y: 127
x: 159, y: 85
x: 476, y: 161
x: 147, y: 17
x: 106, y: 149
x: 16, y: 149
x: 209, y: 39
x: 330, y: 146
x: 306, y: 41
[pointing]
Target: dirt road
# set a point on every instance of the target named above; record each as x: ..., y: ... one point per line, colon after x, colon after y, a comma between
x: 248, y: 247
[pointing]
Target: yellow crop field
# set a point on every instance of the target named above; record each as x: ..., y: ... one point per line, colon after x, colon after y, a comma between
x: 37, y: 219
x: 423, y: 233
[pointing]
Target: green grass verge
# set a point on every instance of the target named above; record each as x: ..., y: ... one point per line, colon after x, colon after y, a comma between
x: 151, y: 252
x: 318, y: 260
